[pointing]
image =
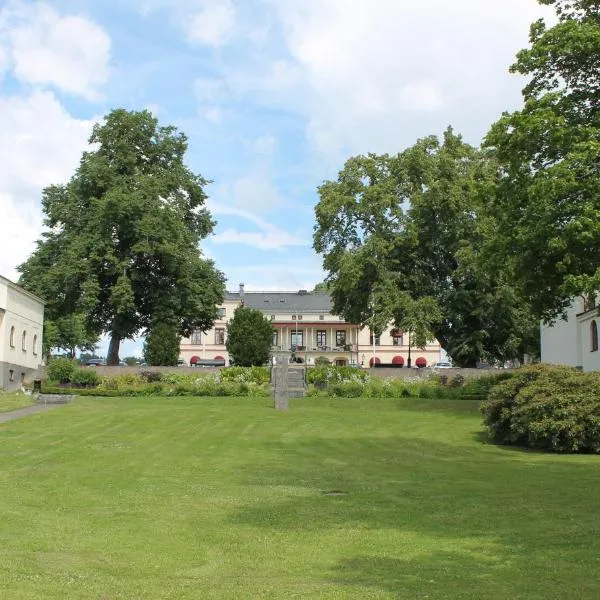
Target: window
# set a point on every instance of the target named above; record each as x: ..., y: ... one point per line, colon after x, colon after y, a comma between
x: 272, y: 317
x: 397, y: 337
x: 321, y: 338
x: 377, y: 339
x: 221, y: 312
x: 11, y: 375
x: 24, y: 341
x: 321, y: 317
x: 297, y: 317
x: 12, y: 337
x: 297, y: 339
x: 340, y: 337
x: 196, y: 337
x: 275, y: 341
x: 34, y: 348
x: 219, y: 336
x: 594, y: 336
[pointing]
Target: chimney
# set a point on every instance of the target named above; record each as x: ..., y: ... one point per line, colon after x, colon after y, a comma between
x: 241, y: 289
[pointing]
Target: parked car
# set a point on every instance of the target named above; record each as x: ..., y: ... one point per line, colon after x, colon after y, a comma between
x: 441, y: 365
x: 96, y: 362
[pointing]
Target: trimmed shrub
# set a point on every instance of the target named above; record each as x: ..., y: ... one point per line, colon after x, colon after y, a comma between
x: 347, y: 389
x: 60, y: 370
x: 457, y: 381
x: 151, y: 376
x: 326, y: 375
x: 85, y: 378
x: 258, y: 375
x: 546, y: 407
x: 322, y: 361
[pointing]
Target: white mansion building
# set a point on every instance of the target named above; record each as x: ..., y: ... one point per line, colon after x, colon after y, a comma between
x: 303, y: 324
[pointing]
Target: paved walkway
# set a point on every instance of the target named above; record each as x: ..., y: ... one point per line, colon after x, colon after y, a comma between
x: 23, y: 412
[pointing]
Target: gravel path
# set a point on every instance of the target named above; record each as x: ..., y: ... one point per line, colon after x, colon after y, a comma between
x: 23, y: 412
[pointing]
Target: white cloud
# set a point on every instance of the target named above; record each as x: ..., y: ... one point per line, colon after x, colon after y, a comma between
x: 20, y: 226
x: 3, y: 62
x: 40, y: 144
x: 269, y: 236
x: 254, y: 190
x: 293, y: 276
x: 389, y: 71
x: 211, y: 23
x: 69, y: 52
x: 265, y: 144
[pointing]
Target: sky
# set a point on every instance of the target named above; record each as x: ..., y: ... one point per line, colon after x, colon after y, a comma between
x: 274, y: 96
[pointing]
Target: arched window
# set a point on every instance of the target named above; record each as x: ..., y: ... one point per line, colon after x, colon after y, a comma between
x: 24, y: 341
x: 12, y: 337
x: 34, y: 346
x: 594, y: 336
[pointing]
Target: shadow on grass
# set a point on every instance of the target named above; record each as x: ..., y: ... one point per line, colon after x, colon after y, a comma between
x: 437, y: 574
x: 404, y: 486
x: 463, y: 408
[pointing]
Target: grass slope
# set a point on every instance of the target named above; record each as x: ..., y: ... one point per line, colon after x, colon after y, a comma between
x: 14, y: 400
x: 222, y: 498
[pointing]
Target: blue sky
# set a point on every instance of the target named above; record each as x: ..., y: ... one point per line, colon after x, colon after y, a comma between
x: 274, y: 96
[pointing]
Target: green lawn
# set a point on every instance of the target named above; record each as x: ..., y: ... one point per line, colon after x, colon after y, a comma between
x: 14, y: 400
x: 184, y: 498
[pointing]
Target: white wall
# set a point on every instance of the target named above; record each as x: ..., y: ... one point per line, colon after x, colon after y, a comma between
x: 24, y: 315
x: 560, y: 344
x: 590, y: 359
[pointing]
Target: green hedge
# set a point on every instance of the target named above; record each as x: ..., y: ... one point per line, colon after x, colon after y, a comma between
x: 60, y: 369
x: 158, y: 389
x: 327, y: 375
x: 546, y: 407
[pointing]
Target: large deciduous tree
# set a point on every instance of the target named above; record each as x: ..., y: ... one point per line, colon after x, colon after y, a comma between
x: 410, y: 227
x: 548, y: 199
x: 249, y: 337
x: 121, y: 246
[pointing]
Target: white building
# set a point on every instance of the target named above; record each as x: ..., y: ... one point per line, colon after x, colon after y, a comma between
x: 573, y: 341
x: 304, y: 324
x: 21, y: 328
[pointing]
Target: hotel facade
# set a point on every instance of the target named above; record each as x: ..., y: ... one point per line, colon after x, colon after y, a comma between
x: 305, y: 326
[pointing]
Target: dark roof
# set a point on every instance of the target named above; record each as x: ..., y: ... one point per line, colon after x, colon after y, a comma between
x: 274, y: 302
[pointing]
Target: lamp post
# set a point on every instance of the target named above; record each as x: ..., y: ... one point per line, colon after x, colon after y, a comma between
x: 373, y: 333
x: 409, y: 340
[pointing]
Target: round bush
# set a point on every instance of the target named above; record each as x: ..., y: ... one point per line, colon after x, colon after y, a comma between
x: 60, y: 370
x: 85, y: 378
x: 546, y: 407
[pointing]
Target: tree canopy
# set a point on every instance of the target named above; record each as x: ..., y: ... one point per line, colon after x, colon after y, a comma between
x: 404, y: 231
x: 548, y: 202
x: 121, y: 245
x: 249, y: 337
x: 162, y: 345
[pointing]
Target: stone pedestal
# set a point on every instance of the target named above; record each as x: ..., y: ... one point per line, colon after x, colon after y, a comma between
x: 280, y: 386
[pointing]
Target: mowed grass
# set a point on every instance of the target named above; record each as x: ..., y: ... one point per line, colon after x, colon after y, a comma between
x: 14, y: 400
x: 189, y: 498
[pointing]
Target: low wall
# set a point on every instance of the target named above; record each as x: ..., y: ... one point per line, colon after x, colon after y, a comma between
x: 424, y: 373
x: 105, y: 370
x: 403, y: 373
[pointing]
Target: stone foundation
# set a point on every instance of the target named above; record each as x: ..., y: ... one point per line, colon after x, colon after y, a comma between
x: 20, y: 375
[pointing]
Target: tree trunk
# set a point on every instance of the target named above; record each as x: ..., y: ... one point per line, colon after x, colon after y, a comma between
x: 113, y: 349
